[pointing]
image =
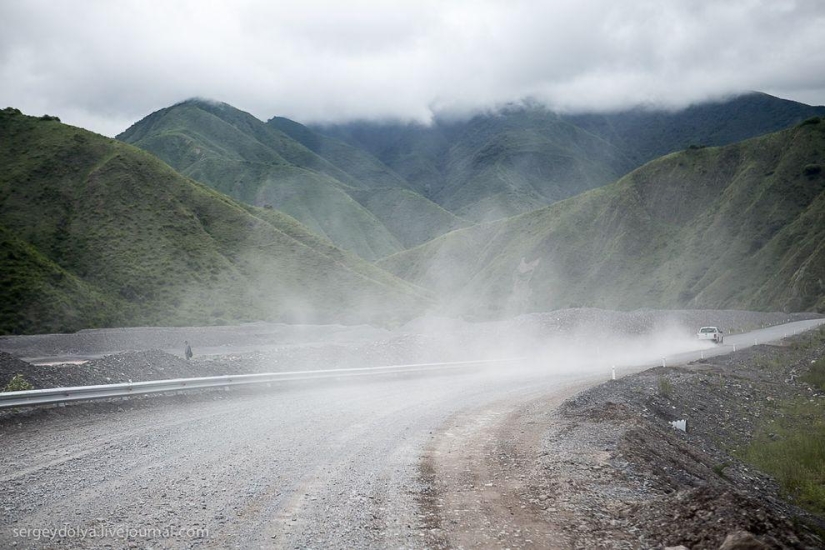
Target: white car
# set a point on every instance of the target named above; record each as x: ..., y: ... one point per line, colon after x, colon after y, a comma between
x: 711, y: 333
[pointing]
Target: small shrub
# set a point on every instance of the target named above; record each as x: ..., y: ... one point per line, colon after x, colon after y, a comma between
x: 665, y: 387
x: 18, y: 383
x: 49, y: 117
x: 812, y: 169
x: 811, y: 121
x: 719, y: 470
x: 816, y: 375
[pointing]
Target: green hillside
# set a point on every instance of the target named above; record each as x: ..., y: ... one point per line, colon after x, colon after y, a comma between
x: 500, y: 164
x: 741, y: 226
x: 359, y: 165
x: 410, y: 217
x: 95, y: 232
x: 491, y: 166
x: 521, y: 161
x: 643, y: 135
x: 311, y: 178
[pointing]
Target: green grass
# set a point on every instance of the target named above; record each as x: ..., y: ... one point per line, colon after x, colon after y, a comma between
x: 664, y: 386
x: 808, y: 340
x: 719, y: 470
x: 816, y: 375
x: 793, y: 451
x: 18, y: 382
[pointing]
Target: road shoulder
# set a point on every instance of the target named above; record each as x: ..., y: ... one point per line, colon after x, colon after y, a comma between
x: 606, y: 469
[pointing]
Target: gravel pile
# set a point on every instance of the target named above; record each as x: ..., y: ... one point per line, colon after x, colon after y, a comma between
x: 132, y: 366
x: 264, y: 347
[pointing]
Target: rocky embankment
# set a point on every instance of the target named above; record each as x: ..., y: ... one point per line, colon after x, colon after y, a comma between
x: 607, y: 469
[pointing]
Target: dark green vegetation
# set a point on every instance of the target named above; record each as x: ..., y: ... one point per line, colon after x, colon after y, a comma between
x: 319, y: 181
x: 740, y: 227
x: 645, y: 135
x: 18, y: 383
x: 506, y: 163
x: 793, y: 449
x: 492, y: 166
x: 95, y: 232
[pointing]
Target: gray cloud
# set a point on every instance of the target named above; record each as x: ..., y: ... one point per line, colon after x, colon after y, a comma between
x: 103, y: 65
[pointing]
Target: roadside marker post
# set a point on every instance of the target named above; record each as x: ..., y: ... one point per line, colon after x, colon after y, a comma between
x: 614, y: 372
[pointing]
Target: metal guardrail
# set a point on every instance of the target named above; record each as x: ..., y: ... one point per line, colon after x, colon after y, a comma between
x: 51, y: 396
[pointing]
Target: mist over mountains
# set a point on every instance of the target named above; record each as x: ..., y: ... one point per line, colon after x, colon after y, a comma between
x: 224, y: 218
x: 505, y: 163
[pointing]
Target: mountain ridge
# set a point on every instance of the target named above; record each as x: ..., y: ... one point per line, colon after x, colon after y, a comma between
x: 499, y: 164
x: 259, y: 164
x: 698, y: 228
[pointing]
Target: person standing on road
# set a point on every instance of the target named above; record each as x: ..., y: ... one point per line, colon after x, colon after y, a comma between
x: 188, y: 351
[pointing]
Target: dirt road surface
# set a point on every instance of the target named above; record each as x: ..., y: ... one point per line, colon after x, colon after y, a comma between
x: 332, y: 465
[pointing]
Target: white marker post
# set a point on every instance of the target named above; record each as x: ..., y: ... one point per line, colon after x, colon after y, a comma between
x: 614, y: 372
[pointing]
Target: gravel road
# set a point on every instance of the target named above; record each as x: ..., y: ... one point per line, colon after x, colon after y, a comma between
x: 313, y: 467
x: 331, y: 465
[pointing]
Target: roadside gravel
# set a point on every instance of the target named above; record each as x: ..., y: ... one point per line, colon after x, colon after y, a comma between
x: 109, y: 356
x: 339, y: 464
x: 606, y: 469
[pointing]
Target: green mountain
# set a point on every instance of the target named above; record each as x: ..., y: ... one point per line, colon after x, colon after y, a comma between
x: 410, y: 217
x: 643, y: 135
x: 491, y: 166
x: 496, y: 165
x: 740, y: 226
x: 95, y: 232
x: 313, y: 180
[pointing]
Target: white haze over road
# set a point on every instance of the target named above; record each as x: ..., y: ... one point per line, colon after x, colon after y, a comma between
x: 331, y: 465
x: 103, y: 65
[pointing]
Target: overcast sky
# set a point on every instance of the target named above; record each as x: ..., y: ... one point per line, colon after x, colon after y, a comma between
x: 104, y: 64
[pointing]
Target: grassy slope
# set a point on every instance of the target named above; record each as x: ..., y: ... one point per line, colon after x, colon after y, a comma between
x: 239, y: 155
x: 98, y: 233
x: 491, y: 166
x: 356, y: 163
x: 503, y: 166
x: 410, y: 217
x: 414, y: 152
x: 741, y: 226
x: 793, y: 449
